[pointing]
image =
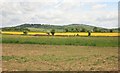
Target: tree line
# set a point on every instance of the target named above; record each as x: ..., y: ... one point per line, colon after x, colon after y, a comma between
x: 95, y: 29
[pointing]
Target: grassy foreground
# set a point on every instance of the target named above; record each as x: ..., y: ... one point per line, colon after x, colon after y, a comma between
x: 54, y: 40
x: 29, y: 57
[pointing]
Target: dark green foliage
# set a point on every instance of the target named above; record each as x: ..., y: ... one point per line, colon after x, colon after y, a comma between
x: 119, y: 29
x: 25, y: 32
x: 77, y: 30
x: 72, y: 29
x: 53, y: 32
x: 95, y: 29
x: 111, y: 30
x: 66, y: 30
x: 15, y: 29
x: 83, y: 30
x: 45, y: 26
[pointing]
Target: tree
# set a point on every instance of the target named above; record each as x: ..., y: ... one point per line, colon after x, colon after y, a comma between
x: 66, y: 30
x: 72, y: 29
x: 53, y: 32
x: 77, y: 30
x: 119, y: 29
x: 25, y: 32
x: 89, y: 33
x: 111, y: 30
x: 83, y: 30
x: 95, y: 29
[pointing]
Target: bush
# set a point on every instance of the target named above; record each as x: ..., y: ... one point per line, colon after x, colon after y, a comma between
x: 77, y: 35
x: 25, y: 32
x: 53, y: 32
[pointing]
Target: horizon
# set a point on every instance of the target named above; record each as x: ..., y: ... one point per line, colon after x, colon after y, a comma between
x: 60, y: 25
x: 60, y: 12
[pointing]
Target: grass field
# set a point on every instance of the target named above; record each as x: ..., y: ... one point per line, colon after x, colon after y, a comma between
x: 53, y: 40
x: 35, y: 57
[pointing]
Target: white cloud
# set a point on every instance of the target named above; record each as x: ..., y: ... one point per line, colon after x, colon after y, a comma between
x: 99, y: 6
x: 57, y: 12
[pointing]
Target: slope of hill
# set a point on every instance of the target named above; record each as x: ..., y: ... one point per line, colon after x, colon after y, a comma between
x: 64, y: 28
x: 70, y: 27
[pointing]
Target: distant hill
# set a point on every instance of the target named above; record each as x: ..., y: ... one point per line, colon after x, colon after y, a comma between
x: 64, y: 28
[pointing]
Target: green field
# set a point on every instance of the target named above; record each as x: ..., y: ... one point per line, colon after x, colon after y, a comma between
x: 54, y: 40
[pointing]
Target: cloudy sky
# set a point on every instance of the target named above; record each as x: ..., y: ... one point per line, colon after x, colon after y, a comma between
x: 102, y: 13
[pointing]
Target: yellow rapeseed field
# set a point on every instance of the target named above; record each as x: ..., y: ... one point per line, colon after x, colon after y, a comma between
x: 105, y: 34
x: 65, y: 34
x: 73, y: 33
x: 14, y: 33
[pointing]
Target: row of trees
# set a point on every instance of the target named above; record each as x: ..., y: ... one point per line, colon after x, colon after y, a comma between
x: 95, y: 29
x: 53, y: 32
x: 75, y: 30
x: 25, y: 32
x: 15, y: 29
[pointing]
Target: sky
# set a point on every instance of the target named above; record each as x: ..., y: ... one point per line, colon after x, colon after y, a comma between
x: 100, y: 13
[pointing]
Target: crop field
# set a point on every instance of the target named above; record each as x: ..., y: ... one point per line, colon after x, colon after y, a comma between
x: 35, y: 57
x: 54, y: 40
x: 56, y: 53
x: 65, y: 34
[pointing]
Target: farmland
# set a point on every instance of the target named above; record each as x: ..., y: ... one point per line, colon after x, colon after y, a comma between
x: 64, y: 34
x: 47, y: 36
x: 57, y: 40
x: 35, y: 57
x: 66, y: 51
